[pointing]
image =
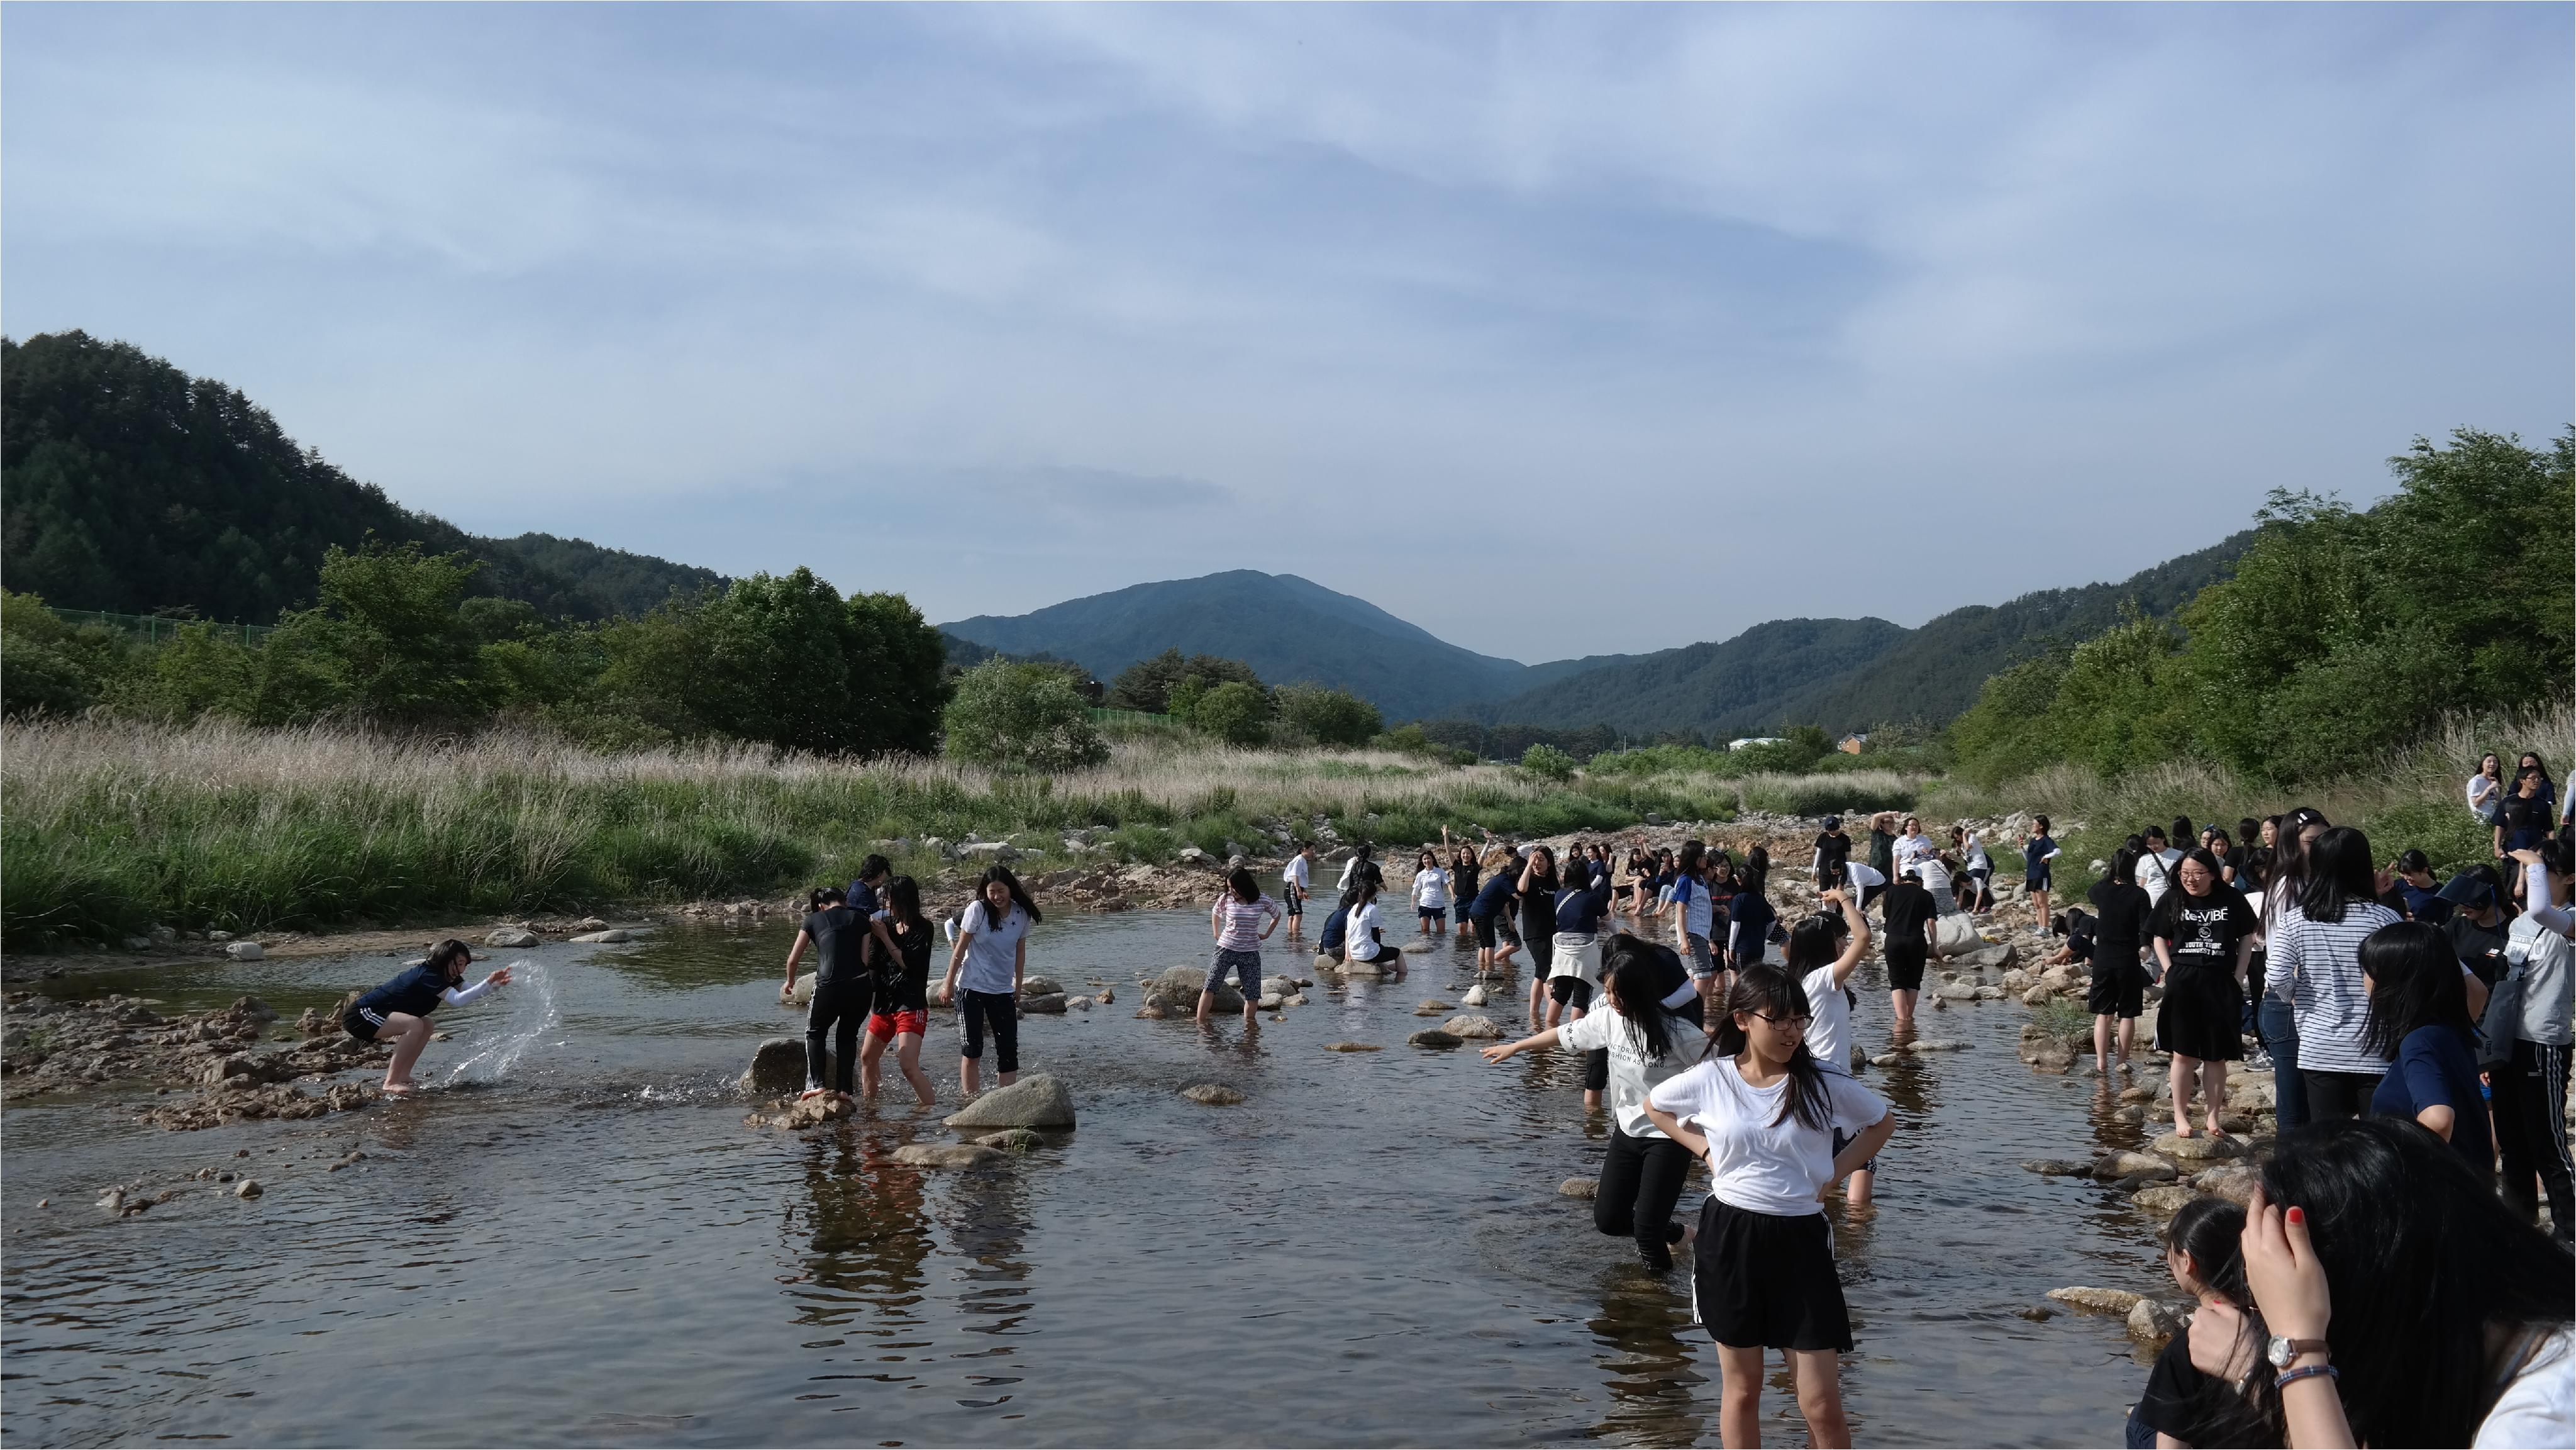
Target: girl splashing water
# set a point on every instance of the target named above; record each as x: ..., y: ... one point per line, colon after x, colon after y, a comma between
x: 1766, y: 1115
x: 398, y: 1012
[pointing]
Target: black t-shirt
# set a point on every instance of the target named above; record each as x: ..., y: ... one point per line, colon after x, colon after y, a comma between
x: 903, y: 982
x: 1909, y: 910
x: 2204, y: 930
x: 1882, y: 851
x: 2079, y: 936
x: 1833, y: 848
x: 2123, y: 927
x: 840, y: 945
x: 2526, y: 821
x: 1538, y: 907
x: 2192, y: 1407
x: 2481, y: 948
x: 1465, y: 891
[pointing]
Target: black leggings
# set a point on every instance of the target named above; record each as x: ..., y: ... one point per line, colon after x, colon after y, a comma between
x: 1641, y: 1180
x: 2531, y: 1131
x: 1001, y: 1010
x: 2334, y: 1095
x: 838, y: 1009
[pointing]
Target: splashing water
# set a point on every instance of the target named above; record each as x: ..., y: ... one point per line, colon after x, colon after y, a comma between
x: 532, y: 1014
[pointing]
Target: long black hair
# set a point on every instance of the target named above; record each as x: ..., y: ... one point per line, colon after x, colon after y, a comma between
x: 2340, y: 872
x: 1637, y: 989
x: 2212, y: 1230
x: 1019, y: 893
x: 1240, y: 882
x: 2124, y: 864
x: 2289, y: 860
x: 2414, y: 982
x: 1768, y: 991
x: 1814, y: 942
x: 2421, y: 1258
x: 903, y: 902
x: 823, y: 897
x: 449, y: 957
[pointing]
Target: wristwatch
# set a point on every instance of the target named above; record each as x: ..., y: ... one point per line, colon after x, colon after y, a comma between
x: 2283, y: 1350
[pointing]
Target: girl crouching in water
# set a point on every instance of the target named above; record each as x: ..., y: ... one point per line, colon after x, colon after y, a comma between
x: 398, y: 1012
x: 1767, y: 1115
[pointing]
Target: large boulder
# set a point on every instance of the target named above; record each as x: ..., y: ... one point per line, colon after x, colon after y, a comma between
x: 1213, y: 1094
x: 947, y: 1155
x: 1957, y: 936
x: 2113, y: 1166
x: 1035, y: 1101
x: 2236, y: 1182
x: 2199, y: 1147
x: 1179, y: 987
x: 1472, y: 1025
x: 2100, y: 1301
x: 2162, y: 1201
x: 777, y: 1066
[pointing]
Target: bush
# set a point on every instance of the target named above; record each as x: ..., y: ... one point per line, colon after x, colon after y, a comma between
x: 1237, y: 713
x: 1330, y: 717
x: 1022, y: 715
x: 1827, y: 795
x: 52, y: 666
x: 1548, y: 761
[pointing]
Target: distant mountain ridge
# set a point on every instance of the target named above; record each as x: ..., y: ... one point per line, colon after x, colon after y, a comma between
x: 1287, y: 628
x: 132, y: 487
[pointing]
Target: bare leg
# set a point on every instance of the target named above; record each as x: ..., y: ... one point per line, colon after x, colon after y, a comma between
x: 2180, y: 1076
x: 1903, y: 1002
x: 1538, y: 996
x: 409, y: 1035
x: 907, y: 1051
x: 1856, y: 1191
x: 2102, y: 1044
x: 1555, y: 1012
x: 1820, y: 1397
x: 970, y: 1076
x: 1009, y: 1078
x: 2213, y: 1094
x: 871, y: 1060
x: 2128, y: 1038
x: 1739, y: 1402
x: 1207, y: 999
x: 2039, y: 900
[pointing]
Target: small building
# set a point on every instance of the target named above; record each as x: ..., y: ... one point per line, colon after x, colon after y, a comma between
x: 1851, y: 744
x: 1753, y: 740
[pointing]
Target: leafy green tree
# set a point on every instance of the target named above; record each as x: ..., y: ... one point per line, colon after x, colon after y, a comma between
x: 1182, y: 701
x: 2005, y: 734
x: 386, y: 644
x: 1011, y: 714
x: 49, y: 665
x: 1148, y: 684
x: 896, y: 684
x: 1549, y: 762
x: 1329, y: 717
x: 1234, y: 712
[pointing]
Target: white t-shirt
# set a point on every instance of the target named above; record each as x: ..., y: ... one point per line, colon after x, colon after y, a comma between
x: 1936, y: 877
x: 1431, y: 889
x: 1361, y: 944
x: 1298, y: 874
x: 1829, y: 1035
x: 1631, y: 1076
x: 2155, y: 873
x: 994, y: 952
x: 1755, y: 1163
x: 1911, y: 849
x: 1863, y: 875
x: 2484, y: 796
x: 2539, y: 1407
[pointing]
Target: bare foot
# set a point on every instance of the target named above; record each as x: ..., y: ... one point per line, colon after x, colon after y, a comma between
x: 2216, y: 1131
x: 809, y: 1093
x: 402, y: 1089
x: 2182, y: 1130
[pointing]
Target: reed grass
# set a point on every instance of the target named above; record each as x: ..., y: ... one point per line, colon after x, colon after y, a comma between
x: 108, y: 827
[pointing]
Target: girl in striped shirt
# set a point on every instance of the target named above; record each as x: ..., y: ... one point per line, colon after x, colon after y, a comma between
x: 1241, y: 921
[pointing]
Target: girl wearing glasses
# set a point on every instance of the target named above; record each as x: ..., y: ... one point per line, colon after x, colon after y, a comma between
x: 1768, y: 1116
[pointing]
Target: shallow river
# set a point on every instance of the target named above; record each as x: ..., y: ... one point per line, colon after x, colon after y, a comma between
x: 585, y: 1245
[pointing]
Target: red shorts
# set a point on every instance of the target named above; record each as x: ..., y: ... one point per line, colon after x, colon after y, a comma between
x: 886, y: 1027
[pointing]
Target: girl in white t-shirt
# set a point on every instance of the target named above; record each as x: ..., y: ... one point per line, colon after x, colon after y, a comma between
x: 985, y: 969
x: 1767, y: 1115
x: 1430, y: 894
x: 1823, y: 959
x: 1647, y: 1041
x: 1363, y: 941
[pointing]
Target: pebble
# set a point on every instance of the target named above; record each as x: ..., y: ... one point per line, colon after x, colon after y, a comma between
x: 2058, y: 1167
x: 1213, y: 1094
x: 1579, y: 1188
x: 947, y: 1155
x: 1351, y: 1047
x: 248, y: 1188
x: 1434, y: 1037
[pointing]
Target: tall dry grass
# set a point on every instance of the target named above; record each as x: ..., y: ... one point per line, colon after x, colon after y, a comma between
x: 109, y: 826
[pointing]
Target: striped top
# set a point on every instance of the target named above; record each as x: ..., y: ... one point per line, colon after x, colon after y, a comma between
x: 2317, y: 966
x: 1239, y: 923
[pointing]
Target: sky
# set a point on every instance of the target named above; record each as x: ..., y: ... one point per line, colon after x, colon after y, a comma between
x: 1556, y: 331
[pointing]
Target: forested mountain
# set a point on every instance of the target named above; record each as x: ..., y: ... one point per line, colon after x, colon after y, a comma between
x: 1733, y: 686
x: 127, y: 485
x: 1288, y: 629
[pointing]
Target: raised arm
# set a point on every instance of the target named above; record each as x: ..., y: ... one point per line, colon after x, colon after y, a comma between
x: 1849, y: 961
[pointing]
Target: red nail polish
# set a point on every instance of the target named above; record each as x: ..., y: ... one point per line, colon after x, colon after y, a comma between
x: 2298, y: 1216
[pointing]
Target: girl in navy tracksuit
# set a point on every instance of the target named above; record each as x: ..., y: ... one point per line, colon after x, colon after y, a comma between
x: 398, y: 1012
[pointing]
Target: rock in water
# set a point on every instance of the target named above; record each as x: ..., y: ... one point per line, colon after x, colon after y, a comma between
x: 947, y: 1155
x: 248, y: 1188
x: 2058, y: 1167
x: 1212, y: 1094
x: 1324, y: 963
x: 255, y: 1009
x: 777, y: 1066
x: 2198, y: 1147
x: 2155, y: 1322
x: 510, y: 938
x: 1015, y: 1140
x: 1182, y: 985
x: 1150, y: 1013
x: 1052, y: 1002
x: 610, y: 937
x: 2235, y: 1182
x: 2100, y: 1301
x: 245, y: 951
x: 1035, y: 1101
x: 1476, y: 997
x: 815, y: 1111
x: 1039, y: 987
x: 1434, y: 1037
x: 1472, y: 1026
x: 2162, y: 1201
x: 1579, y: 1188
x: 1429, y: 1005
x: 1107, y: 996
x: 2111, y: 1166
x: 1351, y: 1047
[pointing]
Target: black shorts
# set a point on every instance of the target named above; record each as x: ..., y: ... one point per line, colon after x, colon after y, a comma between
x: 1905, y: 961
x: 1436, y: 916
x: 2119, y: 987
x: 1869, y: 894
x: 358, y: 1026
x: 1292, y: 901
x: 1484, y: 926
x: 1763, y: 1281
x: 1572, y: 991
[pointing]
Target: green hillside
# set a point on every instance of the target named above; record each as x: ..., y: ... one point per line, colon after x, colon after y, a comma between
x: 1730, y: 686
x: 128, y: 486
